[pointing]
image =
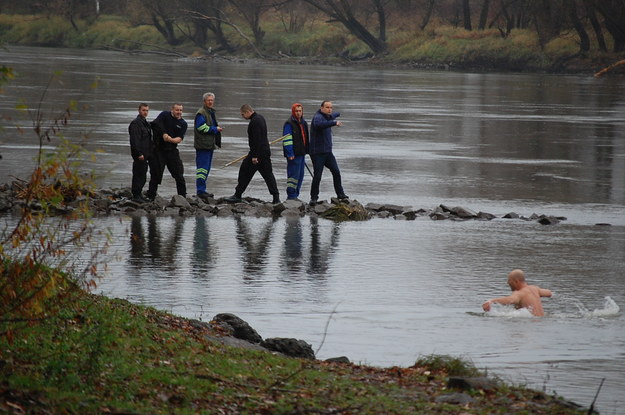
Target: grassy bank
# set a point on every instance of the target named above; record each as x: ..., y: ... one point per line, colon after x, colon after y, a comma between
x: 439, y: 46
x: 100, y: 355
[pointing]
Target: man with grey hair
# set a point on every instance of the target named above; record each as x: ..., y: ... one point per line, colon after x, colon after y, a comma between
x: 206, y: 138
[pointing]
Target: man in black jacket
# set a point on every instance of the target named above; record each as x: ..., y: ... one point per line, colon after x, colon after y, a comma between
x: 143, y: 156
x: 169, y: 129
x: 258, y: 159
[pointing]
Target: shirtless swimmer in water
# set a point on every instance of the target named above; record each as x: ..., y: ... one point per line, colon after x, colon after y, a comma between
x: 523, y: 295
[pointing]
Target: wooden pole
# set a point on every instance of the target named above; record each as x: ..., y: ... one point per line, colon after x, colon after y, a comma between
x: 230, y: 163
x: 609, y: 68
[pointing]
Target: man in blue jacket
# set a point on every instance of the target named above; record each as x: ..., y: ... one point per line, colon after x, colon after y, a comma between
x: 320, y: 150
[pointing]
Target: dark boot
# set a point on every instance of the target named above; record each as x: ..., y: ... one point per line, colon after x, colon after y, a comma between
x: 233, y: 199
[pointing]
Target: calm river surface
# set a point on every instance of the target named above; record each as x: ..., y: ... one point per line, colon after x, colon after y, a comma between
x: 382, y: 292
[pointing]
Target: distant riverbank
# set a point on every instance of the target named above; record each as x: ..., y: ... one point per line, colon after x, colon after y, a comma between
x: 441, y: 48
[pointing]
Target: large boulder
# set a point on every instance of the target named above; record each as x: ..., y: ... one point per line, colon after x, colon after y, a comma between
x: 237, y: 327
x: 289, y: 347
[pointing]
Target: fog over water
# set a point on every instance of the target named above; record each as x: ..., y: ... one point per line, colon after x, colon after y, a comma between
x: 381, y: 292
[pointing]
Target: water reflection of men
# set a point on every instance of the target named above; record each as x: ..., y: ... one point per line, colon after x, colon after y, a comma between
x: 169, y: 129
x: 293, y: 251
x: 206, y: 138
x: 321, y: 150
x: 523, y: 295
x: 203, y: 254
x: 258, y: 158
x: 295, y: 148
x: 153, y: 249
x: 321, y: 253
x: 143, y: 156
x: 254, y: 249
x: 137, y: 241
x: 144, y: 249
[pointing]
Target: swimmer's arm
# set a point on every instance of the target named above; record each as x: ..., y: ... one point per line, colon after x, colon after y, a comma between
x: 510, y: 299
x: 545, y: 292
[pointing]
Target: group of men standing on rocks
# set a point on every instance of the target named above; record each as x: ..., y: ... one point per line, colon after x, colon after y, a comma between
x: 154, y: 146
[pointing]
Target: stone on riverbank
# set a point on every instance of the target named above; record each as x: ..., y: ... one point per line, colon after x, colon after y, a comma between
x: 241, y: 334
x: 289, y: 347
x: 237, y: 327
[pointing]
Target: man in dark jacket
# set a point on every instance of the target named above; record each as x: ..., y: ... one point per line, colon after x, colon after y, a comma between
x: 168, y: 131
x: 321, y: 150
x: 143, y: 156
x: 206, y: 138
x: 295, y: 147
x: 258, y: 158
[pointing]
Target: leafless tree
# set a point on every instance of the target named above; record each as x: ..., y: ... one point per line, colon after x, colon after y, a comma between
x: 596, y: 25
x: 584, y: 40
x: 346, y: 13
x: 484, y: 15
x: 293, y: 14
x: 208, y: 15
x: 466, y: 13
x: 251, y: 11
x: 613, y: 13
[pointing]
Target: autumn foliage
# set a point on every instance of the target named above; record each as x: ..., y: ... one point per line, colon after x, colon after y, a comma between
x: 38, y: 260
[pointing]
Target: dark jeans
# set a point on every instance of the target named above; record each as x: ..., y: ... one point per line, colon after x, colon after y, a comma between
x: 319, y: 162
x: 171, y: 160
x: 248, y: 170
x: 139, y: 176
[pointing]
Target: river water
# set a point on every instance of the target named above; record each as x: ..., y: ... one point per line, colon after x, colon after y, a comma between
x: 382, y: 292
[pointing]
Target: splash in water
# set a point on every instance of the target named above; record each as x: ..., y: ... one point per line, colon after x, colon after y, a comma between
x: 610, y: 309
x: 499, y: 310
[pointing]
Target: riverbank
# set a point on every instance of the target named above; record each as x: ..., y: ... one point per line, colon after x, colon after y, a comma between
x: 441, y: 47
x: 101, y: 355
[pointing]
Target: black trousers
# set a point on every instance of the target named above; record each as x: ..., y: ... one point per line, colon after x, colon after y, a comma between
x: 249, y: 169
x: 139, y: 175
x: 319, y: 162
x: 171, y: 160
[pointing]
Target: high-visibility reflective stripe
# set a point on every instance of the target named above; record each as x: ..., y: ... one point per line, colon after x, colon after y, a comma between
x: 204, y: 128
x: 201, y: 174
x: 292, y: 182
x: 288, y: 140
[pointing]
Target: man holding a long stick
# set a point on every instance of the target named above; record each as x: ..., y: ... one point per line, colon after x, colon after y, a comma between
x: 258, y: 158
